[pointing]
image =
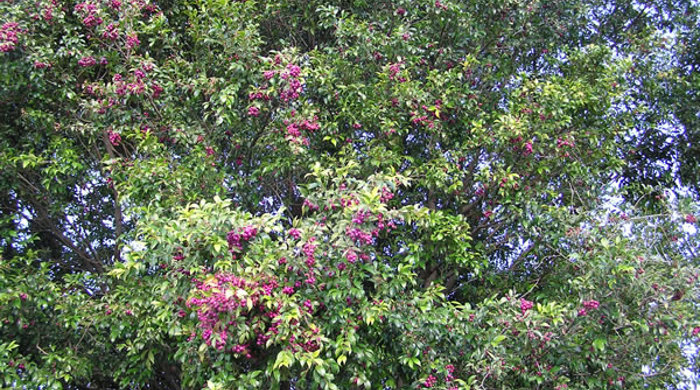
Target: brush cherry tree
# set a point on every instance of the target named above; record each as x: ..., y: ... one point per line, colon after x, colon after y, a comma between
x: 348, y: 194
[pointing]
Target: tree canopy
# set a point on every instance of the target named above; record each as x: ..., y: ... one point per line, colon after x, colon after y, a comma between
x: 348, y: 194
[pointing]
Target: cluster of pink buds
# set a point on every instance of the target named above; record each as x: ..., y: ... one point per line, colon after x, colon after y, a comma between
x: 220, y: 300
x: 9, y: 36
x: 294, y: 129
x: 430, y: 381
x: 525, y: 305
x: 588, y: 306
x: 236, y: 238
x: 132, y: 40
x: 386, y: 195
x: 294, y: 233
x: 360, y: 236
x: 310, y: 205
x: 87, y: 61
x: 561, y: 143
x: 114, y: 138
x: 111, y: 32
x: 394, y: 70
x: 89, y: 13
x: 292, y: 74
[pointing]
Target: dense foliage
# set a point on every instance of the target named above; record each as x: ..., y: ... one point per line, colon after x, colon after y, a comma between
x: 349, y: 194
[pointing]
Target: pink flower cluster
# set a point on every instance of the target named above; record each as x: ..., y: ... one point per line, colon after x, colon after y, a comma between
x: 561, y: 143
x: 525, y: 305
x: 360, y: 217
x: 350, y: 256
x: 132, y: 40
x: 360, y: 236
x: 236, y: 238
x: 288, y: 290
x: 349, y: 201
x: 114, y: 138
x: 309, y: 248
x: 9, y: 36
x: 157, y: 90
x: 295, y: 128
x: 588, y: 306
x: 89, y: 13
x: 430, y: 381
x: 87, y: 61
x: 386, y: 195
x: 227, y: 296
x: 310, y: 205
x: 111, y: 32
x: 690, y: 218
x: 294, y: 233
x: 292, y: 74
x: 394, y: 70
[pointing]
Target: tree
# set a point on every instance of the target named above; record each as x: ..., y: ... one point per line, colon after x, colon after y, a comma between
x: 238, y: 194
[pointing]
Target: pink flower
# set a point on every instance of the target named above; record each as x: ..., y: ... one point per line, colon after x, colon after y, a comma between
x: 294, y: 70
x: 690, y: 218
x: 351, y: 257
x: 253, y: 111
x: 268, y: 74
x: 132, y: 40
x: 591, y: 305
x: 293, y: 130
x: 157, y: 90
x: 696, y: 330
x: 527, y: 149
x: 310, y: 205
x: 430, y: 381
x: 111, y: 32
x: 87, y: 61
x: 386, y: 195
x: 114, y: 138
x: 394, y: 69
x: 295, y: 233
x: 525, y: 305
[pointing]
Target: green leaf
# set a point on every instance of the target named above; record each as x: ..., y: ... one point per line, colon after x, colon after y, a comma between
x: 498, y: 339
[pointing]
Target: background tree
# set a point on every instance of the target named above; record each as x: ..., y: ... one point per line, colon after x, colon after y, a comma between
x: 396, y: 194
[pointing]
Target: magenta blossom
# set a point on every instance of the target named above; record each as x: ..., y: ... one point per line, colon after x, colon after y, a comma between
x: 591, y: 305
x: 87, y: 61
